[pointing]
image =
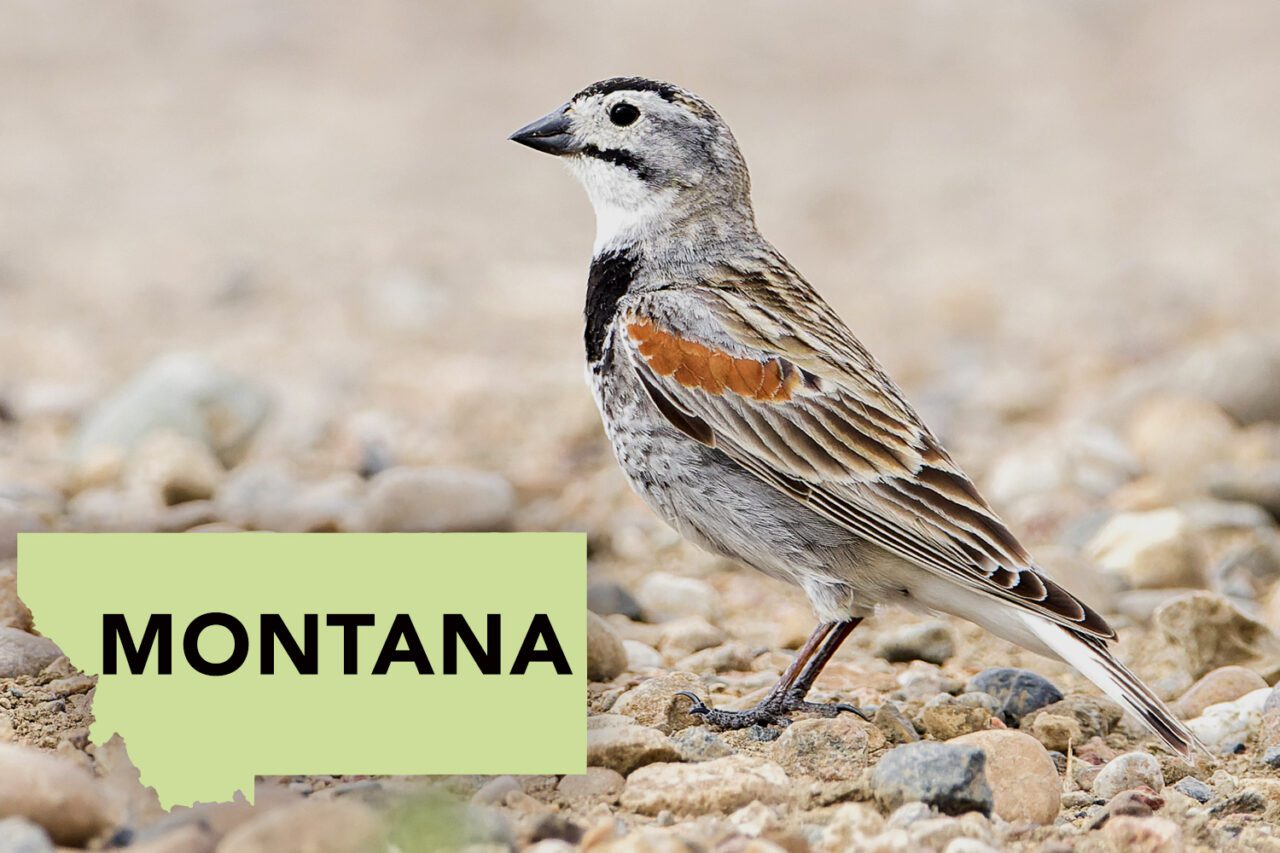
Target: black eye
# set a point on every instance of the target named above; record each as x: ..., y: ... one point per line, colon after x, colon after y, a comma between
x: 623, y: 114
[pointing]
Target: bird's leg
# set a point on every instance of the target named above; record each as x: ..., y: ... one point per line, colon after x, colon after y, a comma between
x: 789, y: 692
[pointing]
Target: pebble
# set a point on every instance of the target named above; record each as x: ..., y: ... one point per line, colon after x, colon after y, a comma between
x: 938, y: 833
x: 654, y: 703
x: 921, y: 681
x: 13, y: 613
x: 173, y: 469
x: 597, y: 784
x: 1255, y: 484
x: 624, y: 748
x: 1056, y: 731
x: 1204, y: 631
x: 1128, y: 834
x: 699, y: 743
x: 730, y: 657
x: 1128, y: 771
x: 944, y: 718
x: 25, y: 654
x: 19, y: 835
x: 1096, y: 716
x: 933, y: 641
x: 1237, y: 373
x: 1194, y: 788
x: 180, y: 394
x: 828, y: 748
x: 945, y: 776
x: 606, y: 657
x: 409, y: 499
x: 894, y: 724
x: 317, y: 826
x: 494, y: 792
x: 1225, y: 727
x: 1150, y: 550
x: 1246, y: 571
x: 1023, y: 778
x: 683, y: 637
x: 664, y: 596
x: 850, y: 826
x: 641, y: 657
x: 15, y: 518
x: 266, y: 496
x: 53, y: 792
x: 708, y: 787
x: 1019, y: 691
x: 606, y: 597
x: 1271, y: 757
x: 1221, y: 685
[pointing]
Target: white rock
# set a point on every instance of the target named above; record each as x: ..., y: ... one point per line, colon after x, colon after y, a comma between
x: 641, y: 657
x: 1128, y: 771
x: 665, y: 596
x: 1221, y: 727
x: 184, y: 394
x: 405, y: 500
x: 1150, y: 549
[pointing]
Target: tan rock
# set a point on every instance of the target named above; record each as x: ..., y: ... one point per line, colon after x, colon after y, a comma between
x: 654, y: 703
x: 599, y: 784
x: 708, y: 787
x: 13, y: 613
x: 310, y: 826
x: 624, y: 748
x: 947, y: 719
x: 830, y: 749
x: 1126, y: 834
x: 606, y: 657
x: 1223, y: 684
x: 1056, y: 731
x: 1150, y: 550
x: 1024, y: 781
x: 25, y: 654
x: 53, y: 792
x: 1201, y: 631
x: 191, y: 838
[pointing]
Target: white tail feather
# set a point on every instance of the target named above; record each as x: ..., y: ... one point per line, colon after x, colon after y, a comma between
x: 1093, y: 660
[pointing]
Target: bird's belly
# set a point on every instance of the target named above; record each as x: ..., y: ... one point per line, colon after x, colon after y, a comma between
x: 718, y: 505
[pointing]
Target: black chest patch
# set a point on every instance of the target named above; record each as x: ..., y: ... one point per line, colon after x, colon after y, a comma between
x: 610, y: 276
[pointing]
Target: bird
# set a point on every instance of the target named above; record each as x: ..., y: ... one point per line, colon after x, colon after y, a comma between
x: 746, y: 414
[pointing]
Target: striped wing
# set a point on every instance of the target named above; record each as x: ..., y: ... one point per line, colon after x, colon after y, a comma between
x: 797, y: 401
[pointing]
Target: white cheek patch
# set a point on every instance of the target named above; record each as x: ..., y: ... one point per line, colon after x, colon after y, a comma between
x: 625, y: 206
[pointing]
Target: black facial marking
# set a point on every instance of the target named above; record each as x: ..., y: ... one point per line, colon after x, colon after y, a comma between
x: 630, y: 84
x: 619, y: 158
x: 610, y: 276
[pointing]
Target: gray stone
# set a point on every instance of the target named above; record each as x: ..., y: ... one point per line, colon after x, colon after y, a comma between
x: 624, y: 748
x: 1255, y: 484
x: 1019, y: 691
x: 931, y: 641
x: 19, y: 835
x: 1128, y: 771
x: 406, y: 500
x: 1238, y: 373
x: 830, y: 748
x: 949, y: 778
x: 664, y: 596
x: 25, y: 654
x: 606, y: 597
x: 1271, y: 757
x: 1194, y: 788
x: 53, y: 792
x: 699, y: 743
x: 184, y: 394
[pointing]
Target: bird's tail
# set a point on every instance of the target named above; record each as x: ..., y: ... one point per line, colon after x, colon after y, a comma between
x: 1093, y: 659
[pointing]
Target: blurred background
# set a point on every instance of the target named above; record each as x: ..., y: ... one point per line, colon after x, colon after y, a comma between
x: 276, y: 266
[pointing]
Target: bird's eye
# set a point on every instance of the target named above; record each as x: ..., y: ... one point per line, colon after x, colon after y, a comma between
x: 623, y: 114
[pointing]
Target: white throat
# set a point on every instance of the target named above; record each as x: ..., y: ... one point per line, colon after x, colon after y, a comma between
x: 626, y: 207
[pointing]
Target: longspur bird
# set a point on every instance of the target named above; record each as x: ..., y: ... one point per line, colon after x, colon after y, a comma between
x: 748, y: 416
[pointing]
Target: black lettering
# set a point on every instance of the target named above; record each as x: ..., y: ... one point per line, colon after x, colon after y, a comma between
x: 540, y: 628
x: 488, y: 657
x: 116, y: 629
x: 351, y: 623
x: 402, y: 628
x: 239, y: 644
x: 305, y: 657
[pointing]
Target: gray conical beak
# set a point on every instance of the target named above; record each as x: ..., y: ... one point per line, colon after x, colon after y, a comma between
x: 551, y: 134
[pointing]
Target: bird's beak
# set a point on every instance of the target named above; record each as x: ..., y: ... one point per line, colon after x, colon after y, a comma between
x: 551, y: 134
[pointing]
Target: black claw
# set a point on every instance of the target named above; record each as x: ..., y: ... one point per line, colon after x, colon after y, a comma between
x: 698, y: 706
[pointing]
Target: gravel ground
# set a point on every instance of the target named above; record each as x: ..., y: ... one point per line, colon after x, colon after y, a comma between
x: 257, y: 273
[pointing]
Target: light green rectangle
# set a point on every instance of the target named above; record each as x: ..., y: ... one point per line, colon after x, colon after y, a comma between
x: 201, y: 737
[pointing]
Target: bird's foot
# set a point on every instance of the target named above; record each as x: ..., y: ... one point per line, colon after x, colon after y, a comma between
x: 773, y: 710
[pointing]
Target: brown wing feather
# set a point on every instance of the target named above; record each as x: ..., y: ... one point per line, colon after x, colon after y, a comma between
x: 837, y: 435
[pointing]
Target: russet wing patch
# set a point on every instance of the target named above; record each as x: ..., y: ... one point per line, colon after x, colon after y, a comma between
x: 696, y: 365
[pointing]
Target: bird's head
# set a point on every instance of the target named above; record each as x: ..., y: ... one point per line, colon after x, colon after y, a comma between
x: 650, y: 155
